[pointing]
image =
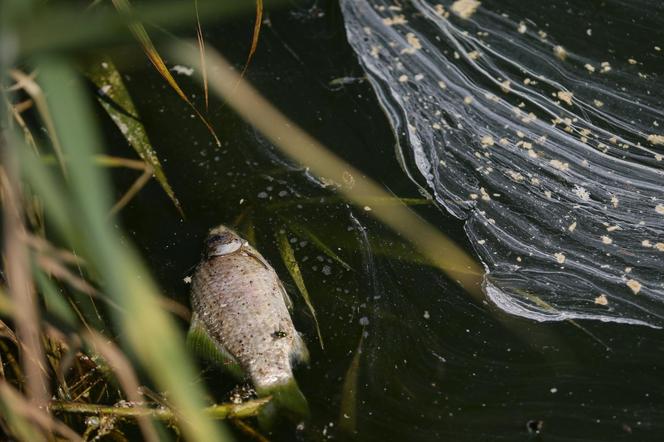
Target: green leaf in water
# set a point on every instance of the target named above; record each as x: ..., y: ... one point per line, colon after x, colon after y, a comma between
x: 348, y: 409
x: 306, y: 233
x: 122, y: 111
x: 288, y: 256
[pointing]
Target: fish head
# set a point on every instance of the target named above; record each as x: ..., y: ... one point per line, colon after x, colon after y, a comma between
x: 222, y: 241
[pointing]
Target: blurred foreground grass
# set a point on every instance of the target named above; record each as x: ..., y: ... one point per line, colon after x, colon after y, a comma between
x: 69, y: 276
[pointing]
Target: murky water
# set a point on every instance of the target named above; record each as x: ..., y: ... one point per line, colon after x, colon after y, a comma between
x: 433, y: 363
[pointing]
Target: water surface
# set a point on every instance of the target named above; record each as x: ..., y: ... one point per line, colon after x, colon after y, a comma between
x: 435, y: 364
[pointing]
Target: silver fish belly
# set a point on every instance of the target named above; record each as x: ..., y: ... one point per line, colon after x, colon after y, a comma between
x: 241, y: 310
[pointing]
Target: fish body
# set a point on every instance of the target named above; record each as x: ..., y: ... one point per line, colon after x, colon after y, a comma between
x: 241, y: 318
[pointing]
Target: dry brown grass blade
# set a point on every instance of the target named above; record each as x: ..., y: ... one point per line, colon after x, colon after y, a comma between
x: 249, y: 431
x: 27, y: 133
x: 13, y: 364
x: 125, y: 375
x: 25, y: 410
x: 255, y: 35
x: 43, y: 246
x: 201, y: 50
x: 111, y: 161
x: 20, y: 284
x: 157, y: 61
x: 24, y: 105
x: 55, y: 268
x: 176, y: 308
x: 30, y: 86
x: 108, y: 161
x: 132, y: 191
x: 6, y: 332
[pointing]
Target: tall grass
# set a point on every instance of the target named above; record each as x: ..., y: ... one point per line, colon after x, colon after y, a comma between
x: 70, y: 275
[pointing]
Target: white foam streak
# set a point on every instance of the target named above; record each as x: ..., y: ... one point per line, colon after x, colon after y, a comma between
x: 522, y: 143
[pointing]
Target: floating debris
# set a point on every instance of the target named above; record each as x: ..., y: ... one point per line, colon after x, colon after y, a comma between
x: 183, y: 70
x: 465, y: 8
x: 571, y: 148
x: 565, y: 96
x: 601, y: 300
x: 634, y: 285
x: 560, y: 52
x: 656, y: 139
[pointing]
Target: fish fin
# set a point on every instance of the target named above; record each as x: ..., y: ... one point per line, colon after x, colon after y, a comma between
x: 287, y: 298
x: 300, y: 351
x: 287, y: 400
x: 202, y: 344
x: 257, y: 256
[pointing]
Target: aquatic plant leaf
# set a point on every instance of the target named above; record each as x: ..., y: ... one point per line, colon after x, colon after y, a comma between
x: 27, y: 133
x: 122, y: 111
x: 348, y: 407
x: 157, y: 61
x: 288, y: 256
x: 306, y: 233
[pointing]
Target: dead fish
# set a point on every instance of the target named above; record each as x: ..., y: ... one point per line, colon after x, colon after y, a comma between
x: 241, y: 319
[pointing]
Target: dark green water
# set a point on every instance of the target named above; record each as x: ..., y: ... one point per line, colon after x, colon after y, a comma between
x: 435, y: 364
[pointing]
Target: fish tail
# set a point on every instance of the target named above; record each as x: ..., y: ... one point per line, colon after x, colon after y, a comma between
x: 287, y: 400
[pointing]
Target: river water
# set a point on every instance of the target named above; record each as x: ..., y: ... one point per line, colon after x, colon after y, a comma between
x: 546, y: 170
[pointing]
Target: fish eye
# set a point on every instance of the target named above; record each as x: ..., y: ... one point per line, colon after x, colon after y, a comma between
x: 222, y: 244
x: 213, y: 239
x: 220, y: 238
